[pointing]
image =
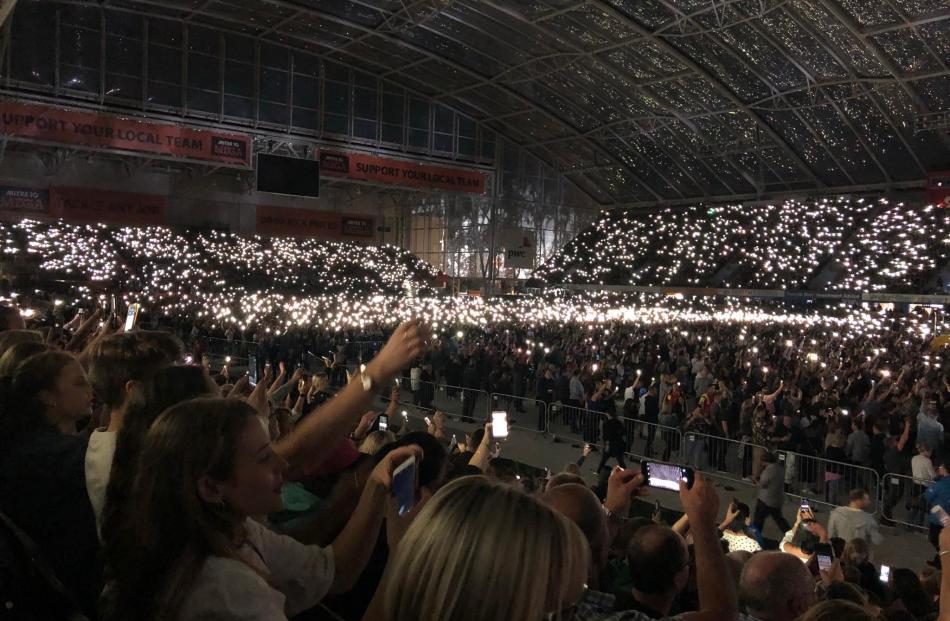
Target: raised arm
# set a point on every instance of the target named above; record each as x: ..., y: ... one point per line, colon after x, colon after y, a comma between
x: 717, y: 594
x: 337, y: 416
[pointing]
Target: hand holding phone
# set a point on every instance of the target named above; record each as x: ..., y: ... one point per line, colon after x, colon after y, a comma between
x: 666, y: 476
x: 826, y: 556
x: 132, y: 316
x: 383, y: 422
x: 499, y: 425
x: 885, y: 576
x: 404, y: 485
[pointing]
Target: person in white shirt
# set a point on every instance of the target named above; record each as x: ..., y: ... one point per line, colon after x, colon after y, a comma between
x: 922, y: 469
x: 922, y: 466
x: 117, y: 363
x: 186, y: 548
x: 149, y: 398
x: 183, y: 546
x: 853, y: 522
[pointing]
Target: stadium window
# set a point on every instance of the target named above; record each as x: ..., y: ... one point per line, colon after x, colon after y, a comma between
x: 443, y: 138
x: 239, y: 77
x: 336, y: 99
x: 393, y: 115
x: 203, y: 70
x: 31, y: 58
x: 123, y: 56
x: 164, y: 62
x: 306, y: 87
x: 467, y: 144
x: 79, y: 49
x: 418, y: 124
x: 275, y: 64
x: 365, y: 107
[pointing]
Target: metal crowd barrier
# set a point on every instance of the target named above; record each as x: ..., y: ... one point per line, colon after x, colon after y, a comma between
x: 466, y: 404
x: 365, y: 349
x: 226, y: 347
x: 902, y: 500
x: 821, y: 481
x: 576, y: 423
x: 653, y: 441
x: 825, y: 481
x: 523, y: 412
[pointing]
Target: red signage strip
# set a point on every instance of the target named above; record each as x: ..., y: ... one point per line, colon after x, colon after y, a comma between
x: 401, y: 172
x: 88, y: 205
x: 58, y: 125
x: 307, y: 223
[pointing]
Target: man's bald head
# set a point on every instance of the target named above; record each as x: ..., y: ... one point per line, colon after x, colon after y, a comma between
x: 578, y: 504
x: 776, y: 587
x: 658, y: 560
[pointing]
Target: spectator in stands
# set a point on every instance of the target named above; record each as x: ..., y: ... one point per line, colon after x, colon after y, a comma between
x: 858, y: 445
x: 922, y: 469
x: 938, y: 495
x: 117, y: 363
x: 578, y: 504
x: 375, y: 441
x: 187, y: 549
x: 659, y: 564
x: 929, y: 429
x: 853, y: 521
x: 734, y: 528
x: 42, y: 484
x: 16, y: 354
x: 473, y: 538
x: 10, y: 318
x: 771, y: 494
x: 615, y: 441
x: 148, y: 399
x: 776, y: 587
x: 837, y: 610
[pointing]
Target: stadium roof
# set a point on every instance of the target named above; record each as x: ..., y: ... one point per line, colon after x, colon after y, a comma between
x: 653, y: 100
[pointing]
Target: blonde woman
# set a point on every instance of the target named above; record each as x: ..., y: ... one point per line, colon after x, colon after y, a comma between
x: 375, y: 441
x: 481, y: 550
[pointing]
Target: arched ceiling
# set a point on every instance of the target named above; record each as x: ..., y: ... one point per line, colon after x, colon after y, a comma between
x: 653, y: 100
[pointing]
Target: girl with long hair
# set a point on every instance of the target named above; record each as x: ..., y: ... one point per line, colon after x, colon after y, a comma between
x: 42, y: 484
x: 186, y: 547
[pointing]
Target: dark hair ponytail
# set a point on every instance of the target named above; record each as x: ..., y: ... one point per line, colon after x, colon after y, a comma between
x: 20, y: 406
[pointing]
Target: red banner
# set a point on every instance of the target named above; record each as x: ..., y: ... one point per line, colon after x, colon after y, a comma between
x: 58, y: 125
x: 400, y: 172
x: 297, y: 222
x: 307, y: 223
x: 89, y: 205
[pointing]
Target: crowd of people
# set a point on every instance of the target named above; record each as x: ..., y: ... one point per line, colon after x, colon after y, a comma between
x: 140, y: 487
x: 140, y: 481
x: 225, y: 278
x: 862, y: 245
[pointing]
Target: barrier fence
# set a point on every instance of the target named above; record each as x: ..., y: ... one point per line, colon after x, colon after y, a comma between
x: 231, y: 347
x: 902, y: 500
x: 819, y: 480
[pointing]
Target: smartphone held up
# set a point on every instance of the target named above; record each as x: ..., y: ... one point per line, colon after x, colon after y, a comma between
x: 666, y: 476
x: 499, y: 424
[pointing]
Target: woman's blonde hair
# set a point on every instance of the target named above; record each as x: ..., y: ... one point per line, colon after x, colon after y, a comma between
x: 375, y: 441
x: 482, y: 550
